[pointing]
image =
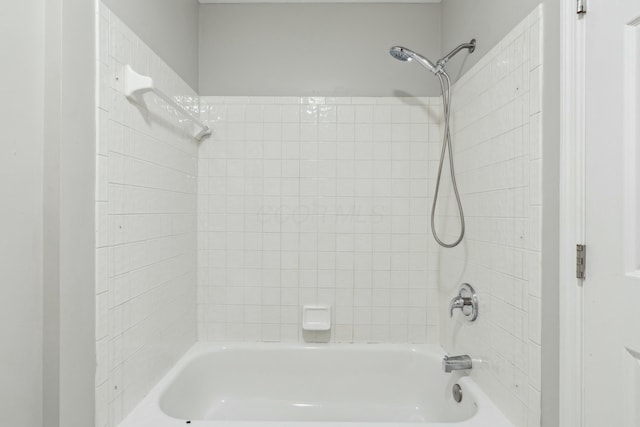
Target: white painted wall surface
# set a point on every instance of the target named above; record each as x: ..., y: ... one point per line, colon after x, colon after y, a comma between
x: 550, y: 310
x: 488, y: 21
x: 21, y: 151
x: 76, y: 212
x: 169, y: 27
x: 146, y: 201
x: 316, y: 49
x: 68, y: 220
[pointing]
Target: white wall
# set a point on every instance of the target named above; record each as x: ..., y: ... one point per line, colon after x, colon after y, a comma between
x: 47, y: 321
x: 77, y: 221
x: 550, y: 310
x: 21, y: 156
x: 497, y: 134
x: 169, y: 27
x: 317, y: 201
x: 488, y: 21
x: 246, y: 49
x: 69, y: 170
x: 316, y: 49
x: 146, y: 200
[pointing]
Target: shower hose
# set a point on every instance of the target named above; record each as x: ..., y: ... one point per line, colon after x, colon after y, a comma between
x: 445, y: 84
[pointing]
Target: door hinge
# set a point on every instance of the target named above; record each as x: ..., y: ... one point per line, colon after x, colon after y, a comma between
x: 581, y: 260
x: 582, y: 6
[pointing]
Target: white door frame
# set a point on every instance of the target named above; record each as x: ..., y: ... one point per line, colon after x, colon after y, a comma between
x: 572, y: 212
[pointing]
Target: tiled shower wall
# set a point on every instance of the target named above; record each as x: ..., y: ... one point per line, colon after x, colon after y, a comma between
x: 497, y: 139
x: 316, y: 201
x: 145, y: 226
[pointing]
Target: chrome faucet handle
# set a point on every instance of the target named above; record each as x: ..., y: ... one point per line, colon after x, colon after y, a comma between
x: 466, y: 301
x: 458, y: 302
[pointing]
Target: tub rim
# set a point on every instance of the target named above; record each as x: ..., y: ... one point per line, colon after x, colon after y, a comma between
x: 148, y: 412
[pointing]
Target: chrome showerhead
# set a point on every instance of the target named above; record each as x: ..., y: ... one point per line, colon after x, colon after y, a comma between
x: 404, y: 54
x: 399, y: 53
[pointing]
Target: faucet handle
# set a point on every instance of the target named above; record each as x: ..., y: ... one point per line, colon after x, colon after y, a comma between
x: 457, y: 302
x: 466, y: 301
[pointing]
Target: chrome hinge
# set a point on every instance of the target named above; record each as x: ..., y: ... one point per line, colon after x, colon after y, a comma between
x: 582, y: 6
x: 581, y: 260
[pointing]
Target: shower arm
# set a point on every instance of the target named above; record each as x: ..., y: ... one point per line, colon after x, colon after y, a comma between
x: 471, y: 46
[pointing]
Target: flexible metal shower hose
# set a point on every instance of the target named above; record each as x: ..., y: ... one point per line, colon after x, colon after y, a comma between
x: 445, y: 84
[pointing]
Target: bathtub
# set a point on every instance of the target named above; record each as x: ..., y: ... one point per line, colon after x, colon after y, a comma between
x: 328, y: 385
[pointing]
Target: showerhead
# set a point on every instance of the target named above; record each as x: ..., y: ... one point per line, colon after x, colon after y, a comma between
x: 400, y: 53
x: 403, y: 54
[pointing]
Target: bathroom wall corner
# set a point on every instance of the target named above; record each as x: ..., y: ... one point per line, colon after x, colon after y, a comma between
x: 69, y: 221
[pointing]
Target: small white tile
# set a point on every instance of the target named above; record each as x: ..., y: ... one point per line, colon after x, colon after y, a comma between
x: 400, y: 114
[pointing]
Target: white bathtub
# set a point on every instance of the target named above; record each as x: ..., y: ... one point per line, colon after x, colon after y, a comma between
x: 328, y: 385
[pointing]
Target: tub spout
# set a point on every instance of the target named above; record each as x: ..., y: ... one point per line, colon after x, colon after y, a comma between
x: 456, y: 363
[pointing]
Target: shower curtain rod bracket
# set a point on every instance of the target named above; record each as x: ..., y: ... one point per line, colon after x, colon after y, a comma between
x: 136, y: 85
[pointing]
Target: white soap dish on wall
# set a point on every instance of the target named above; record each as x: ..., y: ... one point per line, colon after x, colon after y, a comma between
x: 316, y: 317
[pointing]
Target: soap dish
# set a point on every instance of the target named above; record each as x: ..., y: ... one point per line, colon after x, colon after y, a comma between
x: 316, y: 317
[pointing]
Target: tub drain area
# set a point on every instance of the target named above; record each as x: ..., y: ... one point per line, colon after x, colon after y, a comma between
x: 457, y: 393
